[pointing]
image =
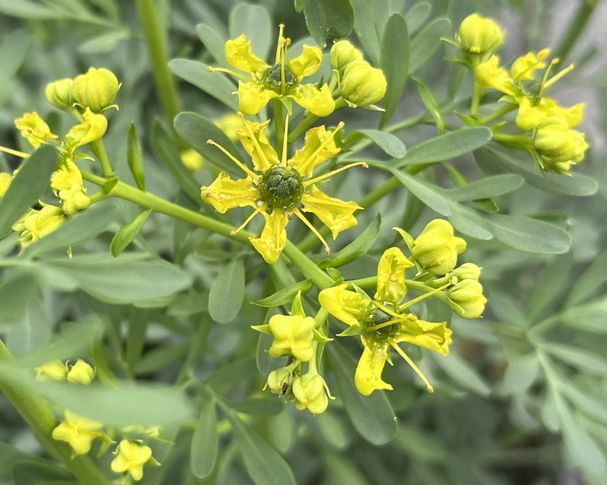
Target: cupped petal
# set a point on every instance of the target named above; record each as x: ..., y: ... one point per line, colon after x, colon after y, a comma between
x: 254, y: 139
x: 334, y: 213
x: 370, y: 367
x: 350, y: 307
x: 391, y: 276
x: 239, y: 54
x: 225, y: 194
x: 252, y: 97
x: 307, y: 63
x: 317, y: 101
x: 319, y: 146
x: 273, y: 238
x: 430, y: 335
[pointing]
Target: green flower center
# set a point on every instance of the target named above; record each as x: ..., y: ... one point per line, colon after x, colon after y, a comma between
x: 376, y: 317
x: 281, y: 187
x: 272, y: 79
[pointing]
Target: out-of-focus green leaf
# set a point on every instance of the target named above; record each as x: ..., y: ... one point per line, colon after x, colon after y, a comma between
x: 577, y: 357
x: 371, y: 416
x: 227, y: 292
x: 258, y: 406
x: 341, y: 470
x: 329, y: 19
x: 29, y: 10
x: 205, y: 440
x: 417, y: 16
x: 419, y: 444
x: 427, y: 42
x: 550, y: 286
x: 520, y: 374
x: 213, y: 41
x: 254, y: 22
x: 590, y: 282
x: 365, y: 29
x: 394, y: 61
x: 284, y: 295
x: 492, y: 186
x: 135, y: 157
x: 591, y: 316
x: 463, y: 373
x: 103, y: 43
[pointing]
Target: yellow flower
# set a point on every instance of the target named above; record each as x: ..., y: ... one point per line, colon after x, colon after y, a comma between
x: 192, y: 160
x: 96, y: 90
x: 279, y: 380
x: 277, y: 186
x: 362, y: 85
x: 384, y: 321
x: 532, y: 114
x: 283, y: 79
x: 131, y: 456
x: 467, y: 271
x: 78, y: 432
x: 67, y: 184
x: 342, y: 54
x: 293, y: 335
x: 436, y: 248
x: 34, y: 129
x: 558, y: 146
x: 92, y: 127
x: 5, y: 182
x: 81, y: 373
x: 38, y: 223
x: 523, y: 68
x: 309, y: 392
x: 490, y: 74
x: 59, y: 94
x: 54, y: 371
x: 479, y: 35
x: 467, y: 298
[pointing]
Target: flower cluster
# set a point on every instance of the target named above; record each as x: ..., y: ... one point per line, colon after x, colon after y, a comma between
x: 131, y: 453
x: 554, y: 141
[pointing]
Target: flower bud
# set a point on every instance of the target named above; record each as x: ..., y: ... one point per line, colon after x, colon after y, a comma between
x: 362, y: 85
x: 5, y: 182
x: 81, y: 373
x: 467, y: 271
x: 54, y: 371
x: 38, y: 223
x: 279, y: 380
x: 97, y: 89
x: 59, y: 94
x: 436, y: 248
x: 467, y: 298
x: 293, y: 335
x: 192, y: 160
x: 558, y: 145
x: 131, y: 456
x: 309, y: 391
x: 343, y: 53
x: 479, y: 35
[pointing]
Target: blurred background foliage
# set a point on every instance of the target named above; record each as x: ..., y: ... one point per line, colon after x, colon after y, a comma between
x: 522, y: 398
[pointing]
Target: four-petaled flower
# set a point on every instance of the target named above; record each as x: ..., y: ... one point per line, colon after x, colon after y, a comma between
x: 130, y: 458
x: 383, y: 321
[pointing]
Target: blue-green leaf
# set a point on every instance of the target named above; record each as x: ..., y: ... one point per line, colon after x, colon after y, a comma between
x: 227, y: 292
x: 394, y: 61
x: 205, y: 440
x: 255, y: 23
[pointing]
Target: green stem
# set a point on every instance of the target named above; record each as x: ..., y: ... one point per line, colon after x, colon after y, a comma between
x: 477, y: 91
x: 98, y: 148
x: 308, y: 121
x: 156, y: 40
x: 38, y: 415
x: 576, y: 27
x: 512, y: 139
x: 278, y: 125
x: 498, y: 114
x: 321, y: 279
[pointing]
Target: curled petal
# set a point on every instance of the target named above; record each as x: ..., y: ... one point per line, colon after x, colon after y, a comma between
x: 307, y: 63
x: 225, y: 194
x: 239, y: 54
x: 346, y: 305
x: 254, y: 139
x: 430, y: 335
x: 370, y: 367
x: 391, y: 275
x: 318, y: 147
x: 334, y: 213
x: 252, y: 98
x: 92, y: 128
x: 273, y: 237
x: 319, y: 102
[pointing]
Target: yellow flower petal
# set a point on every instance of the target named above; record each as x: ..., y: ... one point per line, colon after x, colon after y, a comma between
x: 524, y: 67
x: 225, y: 194
x: 346, y: 305
x: 391, y: 276
x: 318, y: 147
x: 131, y: 456
x: 430, y: 335
x: 239, y: 54
x: 254, y: 139
x: 92, y: 128
x: 5, y: 182
x: 307, y: 63
x: 319, y: 102
x: 34, y: 129
x: 370, y: 367
x: 334, y: 213
x: 67, y: 176
x: 273, y: 238
x: 252, y: 98
x: 491, y: 74
x: 293, y: 335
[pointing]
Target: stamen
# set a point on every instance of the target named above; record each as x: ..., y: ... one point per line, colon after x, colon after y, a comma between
x: 559, y: 75
x: 387, y: 310
x: 309, y: 182
x: 285, y: 138
x: 298, y: 213
x: 16, y: 153
x: 417, y: 370
x: 379, y: 326
x: 410, y: 303
x: 233, y: 232
x: 241, y: 165
x: 227, y: 71
x: 256, y: 144
x: 340, y: 125
x: 281, y: 29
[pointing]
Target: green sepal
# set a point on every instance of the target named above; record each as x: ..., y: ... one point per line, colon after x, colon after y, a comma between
x: 351, y: 331
x: 262, y: 329
x: 297, y: 308
x: 319, y: 337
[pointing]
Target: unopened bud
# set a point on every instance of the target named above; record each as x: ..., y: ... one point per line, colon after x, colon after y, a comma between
x: 362, y: 85
x: 59, y: 94
x: 97, y: 89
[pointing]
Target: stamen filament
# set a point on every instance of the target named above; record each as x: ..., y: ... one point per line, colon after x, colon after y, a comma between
x: 233, y: 232
x: 303, y: 219
x: 423, y: 297
x: 285, y: 142
x: 382, y: 325
x: 281, y: 28
x: 16, y: 153
x: 241, y: 165
x: 309, y: 182
x: 256, y: 144
x: 385, y: 309
x: 339, y: 126
x: 228, y: 71
x: 417, y: 370
x: 559, y: 75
